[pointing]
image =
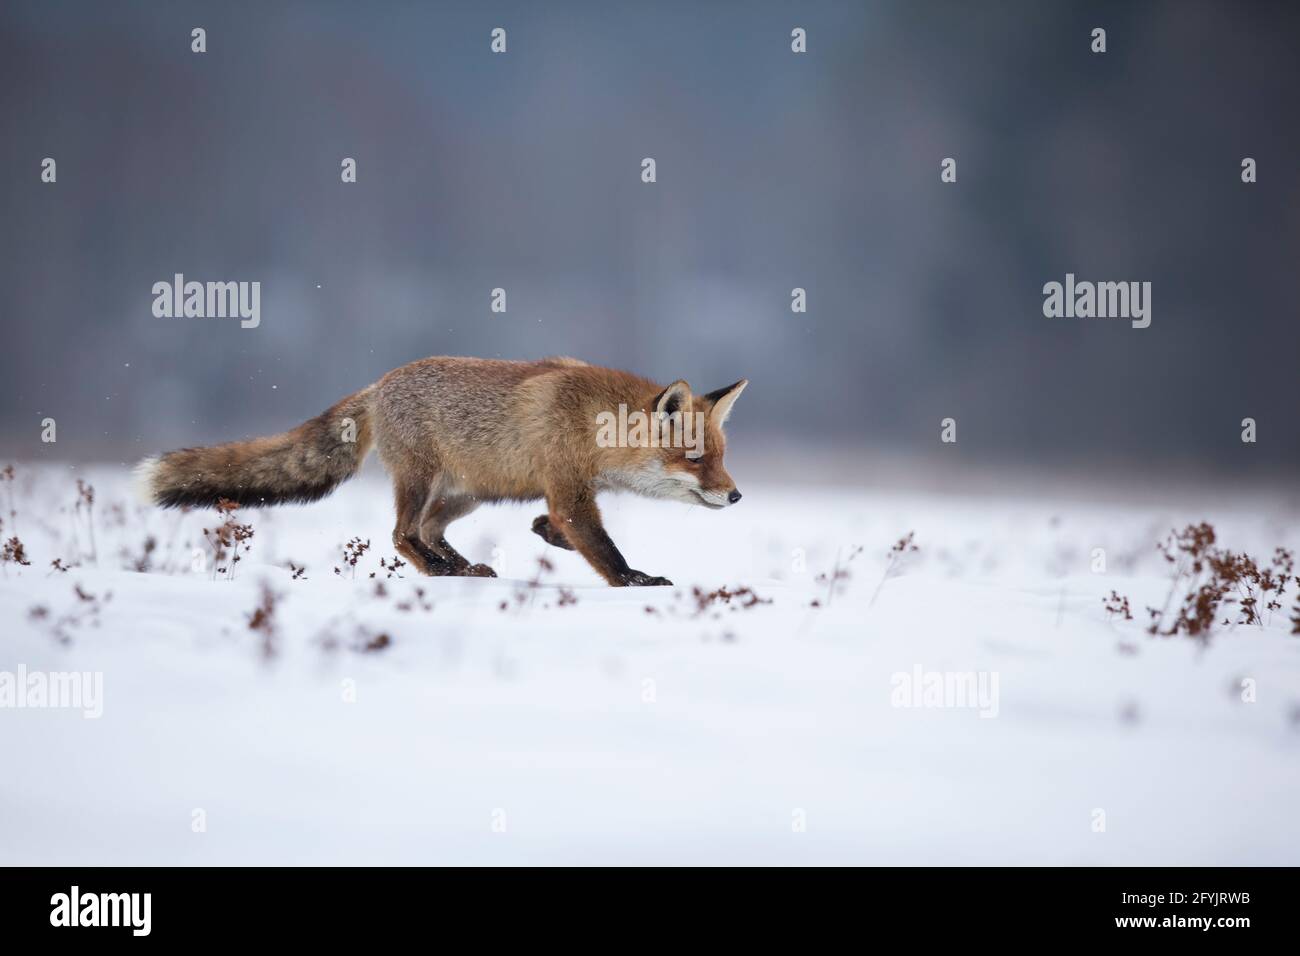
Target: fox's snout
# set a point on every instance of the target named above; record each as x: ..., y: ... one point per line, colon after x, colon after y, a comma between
x: 721, y: 498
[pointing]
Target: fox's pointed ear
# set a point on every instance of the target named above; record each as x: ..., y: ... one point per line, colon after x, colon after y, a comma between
x: 675, y: 398
x: 723, y: 399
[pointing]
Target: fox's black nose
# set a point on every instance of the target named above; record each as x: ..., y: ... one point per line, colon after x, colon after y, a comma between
x: 733, y: 496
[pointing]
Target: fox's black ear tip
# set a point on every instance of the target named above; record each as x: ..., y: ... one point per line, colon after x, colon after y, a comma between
x: 736, y: 387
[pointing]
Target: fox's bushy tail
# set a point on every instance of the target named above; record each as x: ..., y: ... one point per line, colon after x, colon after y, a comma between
x: 303, y: 464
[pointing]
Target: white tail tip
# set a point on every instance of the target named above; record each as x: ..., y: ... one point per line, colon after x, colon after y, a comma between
x: 142, y: 479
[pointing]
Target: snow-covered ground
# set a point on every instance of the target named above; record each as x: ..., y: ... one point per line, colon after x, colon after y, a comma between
x: 629, y: 727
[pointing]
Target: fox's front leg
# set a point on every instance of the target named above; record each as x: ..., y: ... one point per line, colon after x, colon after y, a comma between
x: 578, y: 515
x: 542, y: 528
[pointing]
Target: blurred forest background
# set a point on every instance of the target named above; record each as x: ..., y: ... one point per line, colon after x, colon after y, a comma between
x: 775, y: 171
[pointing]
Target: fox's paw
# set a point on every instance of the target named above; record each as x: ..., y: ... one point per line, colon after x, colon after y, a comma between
x: 477, y: 571
x: 639, y: 579
x: 542, y: 528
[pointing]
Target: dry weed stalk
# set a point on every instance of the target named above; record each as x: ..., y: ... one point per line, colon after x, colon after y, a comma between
x: 13, y: 552
x: 352, y: 553
x: 85, y: 611
x: 903, y: 547
x: 1117, y: 604
x: 1209, y: 578
x: 86, y: 499
x: 227, y: 538
x: 262, y: 620
x: 744, y: 597
x: 838, y: 574
x: 7, y: 477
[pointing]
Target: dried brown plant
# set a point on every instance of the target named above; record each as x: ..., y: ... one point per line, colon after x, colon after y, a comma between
x: 1211, y: 578
x: 352, y: 553
x: 262, y: 620
x: 1118, y: 604
x: 744, y: 598
x: 227, y: 539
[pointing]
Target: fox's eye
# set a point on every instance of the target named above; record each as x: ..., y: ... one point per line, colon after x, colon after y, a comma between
x: 694, y: 461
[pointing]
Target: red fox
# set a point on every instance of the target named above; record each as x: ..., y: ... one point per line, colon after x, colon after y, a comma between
x: 456, y: 432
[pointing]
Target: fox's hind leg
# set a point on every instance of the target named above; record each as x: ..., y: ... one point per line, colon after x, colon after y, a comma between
x: 411, y: 499
x: 440, y: 510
